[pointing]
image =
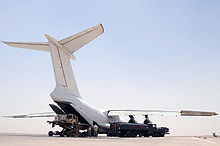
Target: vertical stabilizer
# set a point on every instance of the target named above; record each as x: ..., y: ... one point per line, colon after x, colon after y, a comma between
x: 62, y: 66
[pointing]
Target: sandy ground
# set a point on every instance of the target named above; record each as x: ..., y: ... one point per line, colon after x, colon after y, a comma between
x: 44, y: 140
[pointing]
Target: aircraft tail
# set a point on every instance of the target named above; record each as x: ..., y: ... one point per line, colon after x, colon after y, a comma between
x: 61, y: 52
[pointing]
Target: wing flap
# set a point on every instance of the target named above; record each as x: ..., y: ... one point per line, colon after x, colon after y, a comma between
x: 197, y: 113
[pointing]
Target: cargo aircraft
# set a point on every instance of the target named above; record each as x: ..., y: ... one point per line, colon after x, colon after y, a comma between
x: 66, y: 94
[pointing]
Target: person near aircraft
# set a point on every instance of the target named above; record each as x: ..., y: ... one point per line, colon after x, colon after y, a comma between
x: 132, y: 120
x: 95, y: 131
x: 89, y: 131
x: 147, y: 120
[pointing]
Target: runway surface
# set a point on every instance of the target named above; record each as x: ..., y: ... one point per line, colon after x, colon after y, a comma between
x: 44, y: 140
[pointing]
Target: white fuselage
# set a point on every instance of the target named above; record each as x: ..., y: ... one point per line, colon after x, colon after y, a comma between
x: 66, y: 92
x: 91, y: 114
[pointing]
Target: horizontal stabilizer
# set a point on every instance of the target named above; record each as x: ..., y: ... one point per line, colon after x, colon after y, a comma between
x: 41, y: 46
x: 76, y: 41
x: 71, y: 44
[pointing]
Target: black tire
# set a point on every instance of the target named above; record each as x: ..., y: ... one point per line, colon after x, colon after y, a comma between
x: 134, y: 134
x: 158, y: 134
x: 50, y: 133
x: 146, y: 135
x: 122, y: 135
x: 61, y: 135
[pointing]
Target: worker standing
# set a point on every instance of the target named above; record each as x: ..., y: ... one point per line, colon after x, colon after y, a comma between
x: 132, y: 120
x: 147, y: 120
x: 95, y: 130
x: 89, y: 131
x: 92, y: 131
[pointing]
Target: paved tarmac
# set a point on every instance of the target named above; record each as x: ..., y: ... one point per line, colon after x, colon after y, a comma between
x: 44, y: 140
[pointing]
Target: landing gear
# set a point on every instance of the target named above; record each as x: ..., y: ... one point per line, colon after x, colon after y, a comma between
x: 50, y: 133
x: 68, y: 132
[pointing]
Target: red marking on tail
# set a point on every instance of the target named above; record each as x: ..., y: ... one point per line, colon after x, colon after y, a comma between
x: 102, y: 27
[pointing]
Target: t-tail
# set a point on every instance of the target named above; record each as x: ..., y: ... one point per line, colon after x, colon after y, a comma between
x: 61, y: 52
x: 66, y: 91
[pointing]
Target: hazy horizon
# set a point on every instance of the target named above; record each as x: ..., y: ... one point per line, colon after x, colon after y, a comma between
x: 152, y: 55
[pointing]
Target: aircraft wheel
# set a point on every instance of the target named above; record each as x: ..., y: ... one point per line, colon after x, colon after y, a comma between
x: 161, y: 135
x: 61, y: 135
x: 146, y: 135
x: 50, y: 133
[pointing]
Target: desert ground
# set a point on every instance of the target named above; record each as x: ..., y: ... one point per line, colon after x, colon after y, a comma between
x: 9, y: 139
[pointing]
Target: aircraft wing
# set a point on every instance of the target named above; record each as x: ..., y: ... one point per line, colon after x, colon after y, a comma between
x: 161, y: 112
x: 197, y: 113
x: 33, y: 115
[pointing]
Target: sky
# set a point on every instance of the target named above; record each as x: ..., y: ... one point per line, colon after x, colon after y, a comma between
x: 154, y: 54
